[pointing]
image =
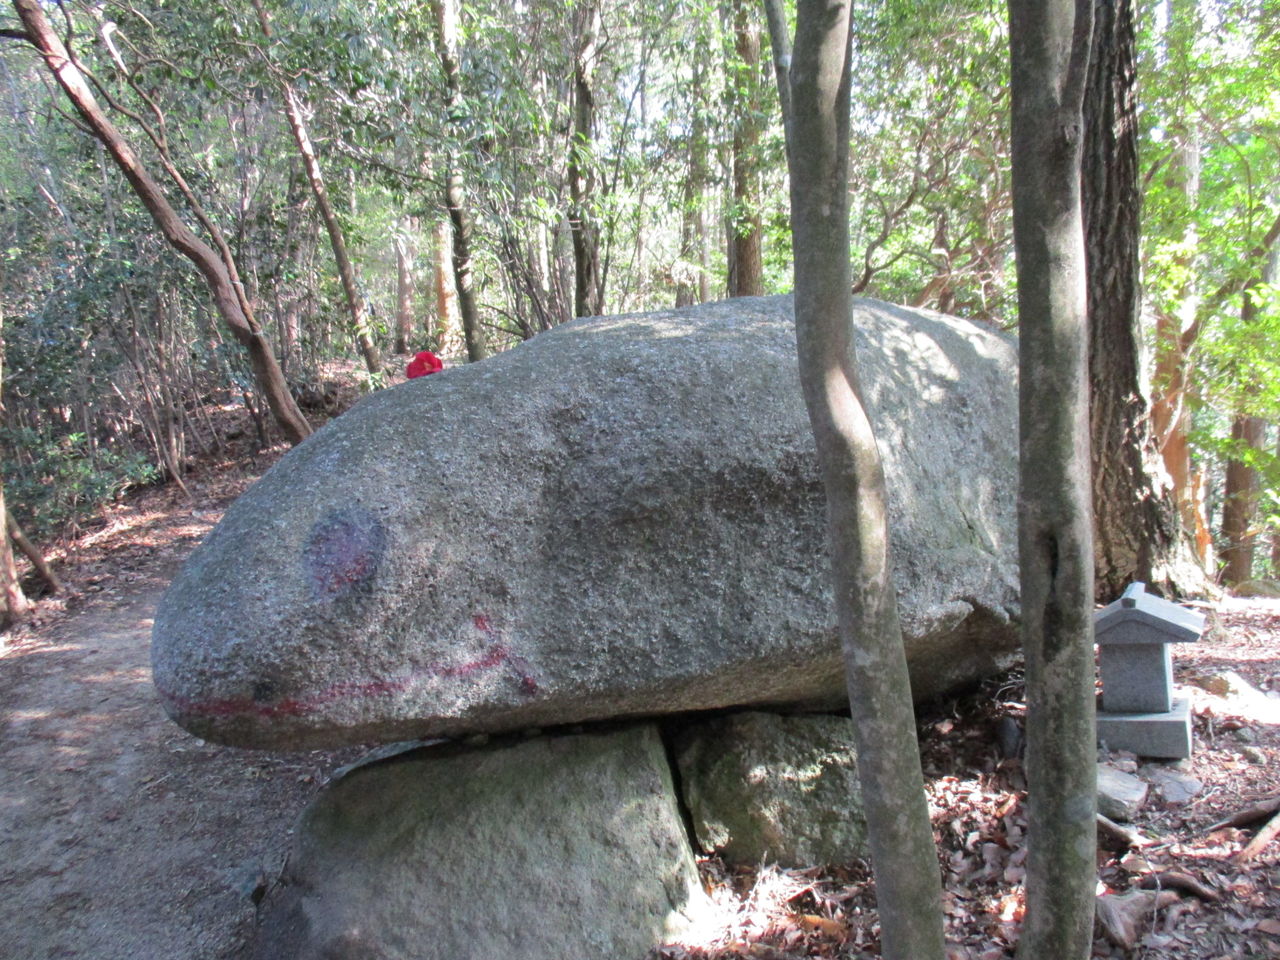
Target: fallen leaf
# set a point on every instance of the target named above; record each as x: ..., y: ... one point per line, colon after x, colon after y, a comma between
x: 823, y: 925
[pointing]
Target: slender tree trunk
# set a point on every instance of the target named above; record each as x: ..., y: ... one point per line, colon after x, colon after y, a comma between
x: 337, y: 240
x: 1176, y: 333
x: 225, y: 290
x: 746, y: 259
x: 455, y: 201
x: 1275, y: 530
x: 1137, y: 534
x: 908, y: 890
x: 780, y: 44
x: 1242, y: 489
x: 1240, y: 501
x: 30, y: 550
x: 1170, y: 422
x: 404, y: 293
x: 448, y: 328
x: 16, y: 604
x: 357, y: 315
x: 1050, y: 42
x: 588, y: 288
x: 691, y: 280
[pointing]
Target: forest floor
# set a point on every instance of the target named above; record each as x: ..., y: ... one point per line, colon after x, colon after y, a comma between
x: 124, y: 838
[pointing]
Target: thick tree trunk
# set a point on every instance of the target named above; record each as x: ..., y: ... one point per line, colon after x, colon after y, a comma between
x: 455, y: 201
x: 1050, y: 42
x: 227, y: 294
x: 746, y: 258
x: 908, y: 890
x: 1136, y: 530
x: 588, y: 289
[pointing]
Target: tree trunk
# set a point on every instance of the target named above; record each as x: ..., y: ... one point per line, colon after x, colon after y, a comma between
x: 1049, y: 60
x: 1275, y: 530
x: 1248, y: 433
x: 227, y: 294
x: 780, y: 44
x: 1137, y: 534
x: 691, y: 280
x: 455, y: 200
x: 1176, y: 333
x: 337, y: 241
x: 16, y: 604
x: 448, y: 329
x: 904, y: 857
x: 588, y: 288
x: 404, y: 293
x: 1240, y: 497
x: 29, y: 549
x: 746, y: 261
x: 358, y: 317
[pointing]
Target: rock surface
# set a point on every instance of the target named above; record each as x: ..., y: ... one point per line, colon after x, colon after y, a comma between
x: 1175, y: 786
x: 622, y: 516
x: 1258, y: 588
x: 551, y: 848
x: 1120, y: 794
x: 764, y: 788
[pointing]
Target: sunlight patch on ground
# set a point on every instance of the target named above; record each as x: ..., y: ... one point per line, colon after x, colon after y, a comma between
x: 730, y: 922
x: 122, y: 524
x: 1244, y: 701
x: 136, y: 675
x: 26, y: 648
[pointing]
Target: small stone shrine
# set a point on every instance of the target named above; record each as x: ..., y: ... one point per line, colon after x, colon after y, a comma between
x: 1140, y: 712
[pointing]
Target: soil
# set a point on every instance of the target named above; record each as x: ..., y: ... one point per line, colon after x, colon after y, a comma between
x: 124, y: 838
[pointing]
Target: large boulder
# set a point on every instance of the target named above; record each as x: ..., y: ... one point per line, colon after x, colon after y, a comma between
x: 765, y: 788
x: 622, y: 516
x: 547, y: 849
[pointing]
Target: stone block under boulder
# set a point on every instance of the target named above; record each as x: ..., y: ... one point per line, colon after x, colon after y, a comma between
x: 541, y: 849
x: 764, y: 788
x: 621, y: 517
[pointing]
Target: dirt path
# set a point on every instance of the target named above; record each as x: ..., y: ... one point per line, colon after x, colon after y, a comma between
x: 121, y: 836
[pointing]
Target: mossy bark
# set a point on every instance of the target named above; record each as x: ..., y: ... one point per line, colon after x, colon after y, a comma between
x: 1050, y: 43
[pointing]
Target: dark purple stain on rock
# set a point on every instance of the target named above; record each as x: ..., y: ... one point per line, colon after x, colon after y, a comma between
x: 343, y: 553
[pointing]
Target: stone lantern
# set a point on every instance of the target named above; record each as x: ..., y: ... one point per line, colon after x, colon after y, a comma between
x: 1140, y: 712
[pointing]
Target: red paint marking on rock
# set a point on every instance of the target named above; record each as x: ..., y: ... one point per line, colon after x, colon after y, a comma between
x: 354, y: 690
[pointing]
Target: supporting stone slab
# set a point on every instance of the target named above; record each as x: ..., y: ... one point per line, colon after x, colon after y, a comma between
x: 1166, y: 735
